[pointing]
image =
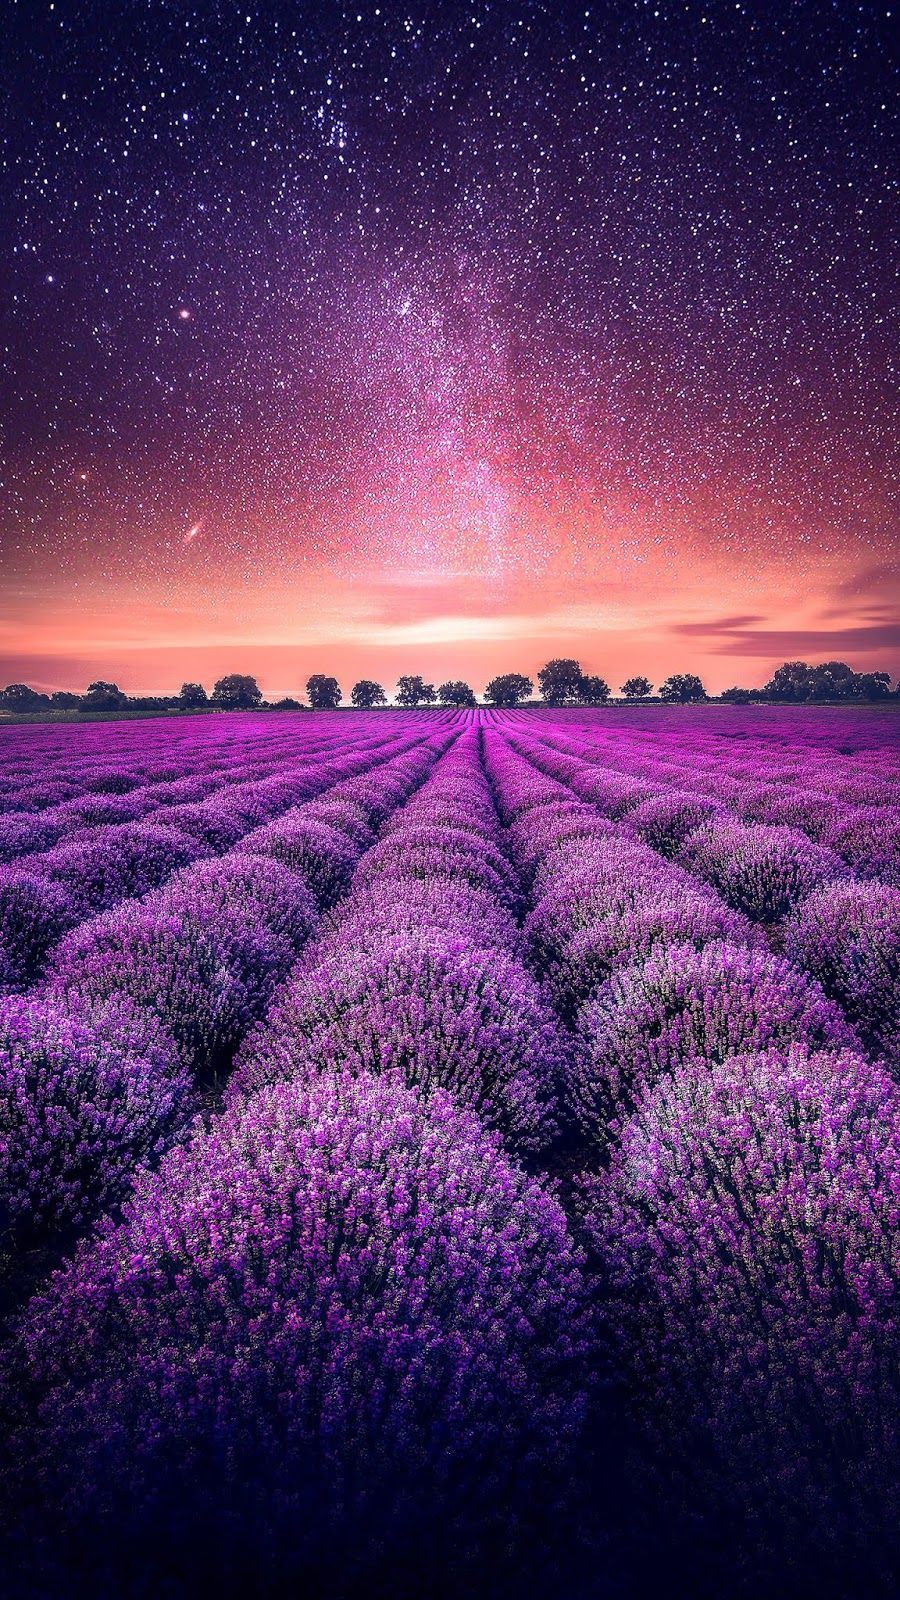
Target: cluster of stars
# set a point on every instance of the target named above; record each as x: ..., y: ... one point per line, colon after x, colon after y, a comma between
x: 491, y: 284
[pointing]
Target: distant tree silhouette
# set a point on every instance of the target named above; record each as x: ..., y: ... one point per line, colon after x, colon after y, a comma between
x: 19, y: 697
x: 594, y: 691
x: 193, y: 694
x: 324, y: 694
x: 287, y: 704
x: 64, y: 700
x: 560, y: 680
x: 509, y: 689
x: 792, y: 682
x: 637, y: 688
x: 739, y: 697
x: 456, y: 693
x: 414, y: 691
x: 102, y: 696
x: 682, y: 688
x: 797, y: 683
x: 237, y: 692
x: 367, y: 693
x: 872, y: 685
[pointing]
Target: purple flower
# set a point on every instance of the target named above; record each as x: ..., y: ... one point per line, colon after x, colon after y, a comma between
x: 431, y: 1009
x: 416, y: 905
x: 440, y: 853
x: 33, y: 914
x: 747, y: 1231
x: 848, y: 936
x: 102, y: 866
x: 870, y: 841
x: 85, y: 1095
x: 665, y: 820
x: 683, y: 1004
x: 323, y: 855
x: 626, y: 931
x: 761, y: 871
x: 246, y: 892
x: 336, y: 1328
x: 205, y: 983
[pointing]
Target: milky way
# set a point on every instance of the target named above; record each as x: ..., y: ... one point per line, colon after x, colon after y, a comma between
x: 445, y: 328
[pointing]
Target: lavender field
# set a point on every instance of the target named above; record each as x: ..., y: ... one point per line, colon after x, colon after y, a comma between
x: 451, y: 1153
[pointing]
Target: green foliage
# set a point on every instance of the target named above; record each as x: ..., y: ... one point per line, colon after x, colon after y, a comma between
x: 191, y: 695
x: 594, y: 690
x: 237, y: 692
x: 560, y: 681
x: 367, y: 693
x: 101, y: 696
x: 797, y: 683
x: 414, y: 691
x: 324, y: 694
x: 18, y: 697
x: 682, y: 688
x: 456, y: 693
x: 508, y: 689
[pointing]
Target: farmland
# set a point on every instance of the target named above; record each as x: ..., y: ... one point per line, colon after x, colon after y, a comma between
x: 451, y: 1152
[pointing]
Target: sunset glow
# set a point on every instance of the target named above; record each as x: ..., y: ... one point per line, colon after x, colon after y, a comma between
x: 440, y: 342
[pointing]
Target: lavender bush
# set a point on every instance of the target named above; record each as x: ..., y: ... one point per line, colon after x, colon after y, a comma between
x: 848, y: 936
x: 204, y: 988
x: 762, y: 871
x: 430, y: 1009
x: 85, y: 1095
x: 747, y: 1232
x: 684, y: 1004
x: 33, y: 915
x: 335, y: 1335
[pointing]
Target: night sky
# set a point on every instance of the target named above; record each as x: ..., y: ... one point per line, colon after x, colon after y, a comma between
x: 444, y: 338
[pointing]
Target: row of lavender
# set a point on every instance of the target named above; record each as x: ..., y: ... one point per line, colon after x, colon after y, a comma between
x: 837, y: 917
x: 343, y: 1330
x: 741, y: 1135
x: 847, y: 804
x: 143, y: 1003
x: 49, y: 791
x: 340, y: 1329
x: 82, y: 864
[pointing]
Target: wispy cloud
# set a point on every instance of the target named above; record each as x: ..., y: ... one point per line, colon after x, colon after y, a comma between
x: 792, y: 642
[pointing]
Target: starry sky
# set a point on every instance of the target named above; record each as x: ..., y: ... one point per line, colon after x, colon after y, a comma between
x: 446, y: 337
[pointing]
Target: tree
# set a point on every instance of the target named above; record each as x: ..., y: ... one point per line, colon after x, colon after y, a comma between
x: 19, y: 697
x: 101, y: 696
x: 456, y: 693
x: 737, y: 697
x: 637, y: 688
x: 872, y: 685
x: 508, y: 689
x: 324, y: 694
x: 367, y: 693
x: 192, y: 694
x: 791, y: 682
x: 414, y: 691
x: 65, y: 700
x: 594, y: 690
x: 287, y: 704
x: 560, y: 680
x: 797, y: 683
x: 682, y: 688
x: 833, y: 680
x: 237, y: 692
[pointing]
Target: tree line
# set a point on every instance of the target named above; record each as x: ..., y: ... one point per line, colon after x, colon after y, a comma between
x: 560, y: 682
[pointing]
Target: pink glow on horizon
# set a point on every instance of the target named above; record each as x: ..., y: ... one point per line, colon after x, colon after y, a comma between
x: 729, y: 629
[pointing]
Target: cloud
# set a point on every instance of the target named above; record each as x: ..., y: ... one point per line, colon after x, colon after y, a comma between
x: 802, y: 642
x: 716, y: 625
